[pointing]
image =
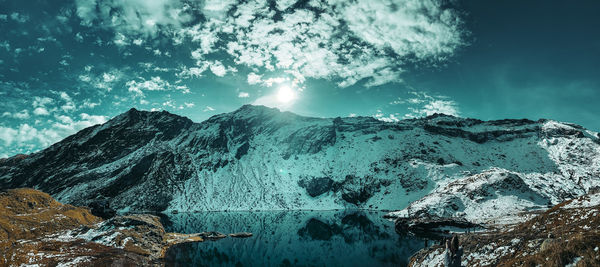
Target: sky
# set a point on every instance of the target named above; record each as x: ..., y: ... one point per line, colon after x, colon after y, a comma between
x: 67, y: 65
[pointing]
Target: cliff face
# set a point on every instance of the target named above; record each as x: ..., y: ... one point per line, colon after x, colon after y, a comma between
x: 261, y: 158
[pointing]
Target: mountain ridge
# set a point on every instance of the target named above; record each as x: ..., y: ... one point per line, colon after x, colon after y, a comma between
x: 260, y: 158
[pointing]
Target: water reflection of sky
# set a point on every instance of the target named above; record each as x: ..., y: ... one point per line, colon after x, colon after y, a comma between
x: 299, y: 238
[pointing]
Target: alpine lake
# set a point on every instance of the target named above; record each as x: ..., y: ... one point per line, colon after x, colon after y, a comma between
x: 292, y: 238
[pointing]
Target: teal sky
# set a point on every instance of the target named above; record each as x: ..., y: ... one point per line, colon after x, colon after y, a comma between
x: 66, y: 65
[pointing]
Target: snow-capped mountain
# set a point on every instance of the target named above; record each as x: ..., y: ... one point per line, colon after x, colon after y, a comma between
x: 258, y: 158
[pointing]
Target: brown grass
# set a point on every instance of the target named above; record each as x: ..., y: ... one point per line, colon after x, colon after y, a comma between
x: 553, y: 238
x: 28, y: 216
x: 28, y: 213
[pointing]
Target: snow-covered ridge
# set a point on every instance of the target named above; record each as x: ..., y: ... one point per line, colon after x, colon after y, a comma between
x: 259, y: 158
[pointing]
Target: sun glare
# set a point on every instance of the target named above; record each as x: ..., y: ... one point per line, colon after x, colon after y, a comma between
x: 286, y: 94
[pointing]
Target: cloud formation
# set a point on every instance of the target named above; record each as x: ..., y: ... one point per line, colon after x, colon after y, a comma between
x: 422, y: 104
x: 348, y: 42
x: 419, y: 104
x: 156, y: 83
x: 26, y: 138
x: 139, y: 17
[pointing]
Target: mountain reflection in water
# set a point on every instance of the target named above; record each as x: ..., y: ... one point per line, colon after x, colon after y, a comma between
x: 286, y: 238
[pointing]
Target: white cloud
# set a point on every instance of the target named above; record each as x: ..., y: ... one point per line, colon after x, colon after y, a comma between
x: 41, y: 111
x: 189, y: 105
x: 69, y: 105
x: 305, y: 44
x: 5, y: 44
x: 412, y: 27
x: 85, y: 78
x: 8, y: 135
x: 121, y: 40
x: 89, y: 104
x: 20, y: 18
x: 133, y: 16
x: 79, y: 37
x: 254, y: 78
x: 25, y: 137
x: 447, y: 107
x: 208, y: 108
x: 23, y: 114
x: 422, y: 104
x: 243, y: 95
x: 274, y: 80
x: 419, y: 104
x: 155, y: 83
x: 284, y: 4
x: 169, y: 103
x: 109, y: 77
x: 389, y: 118
x: 193, y: 72
x: 349, y: 42
x: 106, y: 81
x: 150, y: 67
x: 42, y: 101
x: 218, y: 68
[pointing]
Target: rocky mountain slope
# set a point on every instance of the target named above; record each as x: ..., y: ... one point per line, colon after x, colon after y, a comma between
x: 258, y: 158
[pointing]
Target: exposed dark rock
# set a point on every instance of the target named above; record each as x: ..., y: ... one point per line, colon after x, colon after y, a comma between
x: 309, y: 140
x: 357, y: 197
x: 242, y: 150
x: 102, y: 209
x: 413, y: 183
x: 481, y: 137
x: 317, y: 186
x: 241, y: 235
x: 358, y: 190
x: 430, y: 227
x: 563, y: 132
x: 212, y: 235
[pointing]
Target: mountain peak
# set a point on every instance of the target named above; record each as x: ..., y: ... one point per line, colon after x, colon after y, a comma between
x: 249, y: 108
x: 257, y: 111
x: 134, y: 115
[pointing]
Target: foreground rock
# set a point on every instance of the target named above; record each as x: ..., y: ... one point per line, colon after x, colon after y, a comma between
x: 431, y: 227
x: 568, y: 233
x: 241, y: 235
x: 36, y: 229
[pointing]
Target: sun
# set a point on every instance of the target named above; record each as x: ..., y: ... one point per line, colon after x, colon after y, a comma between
x: 286, y: 94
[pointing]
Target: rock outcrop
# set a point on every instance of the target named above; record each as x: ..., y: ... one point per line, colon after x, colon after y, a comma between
x: 36, y: 229
x: 568, y: 234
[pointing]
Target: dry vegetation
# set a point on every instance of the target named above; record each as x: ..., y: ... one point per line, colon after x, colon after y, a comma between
x: 34, y: 227
x: 28, y: 213
x: 557, y: 237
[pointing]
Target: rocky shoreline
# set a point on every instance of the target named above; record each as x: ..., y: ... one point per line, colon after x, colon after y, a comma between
x: 37, y: 230
x: 568, y: 234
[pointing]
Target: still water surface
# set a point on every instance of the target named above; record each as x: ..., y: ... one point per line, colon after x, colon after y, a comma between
x: 291, y: 238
